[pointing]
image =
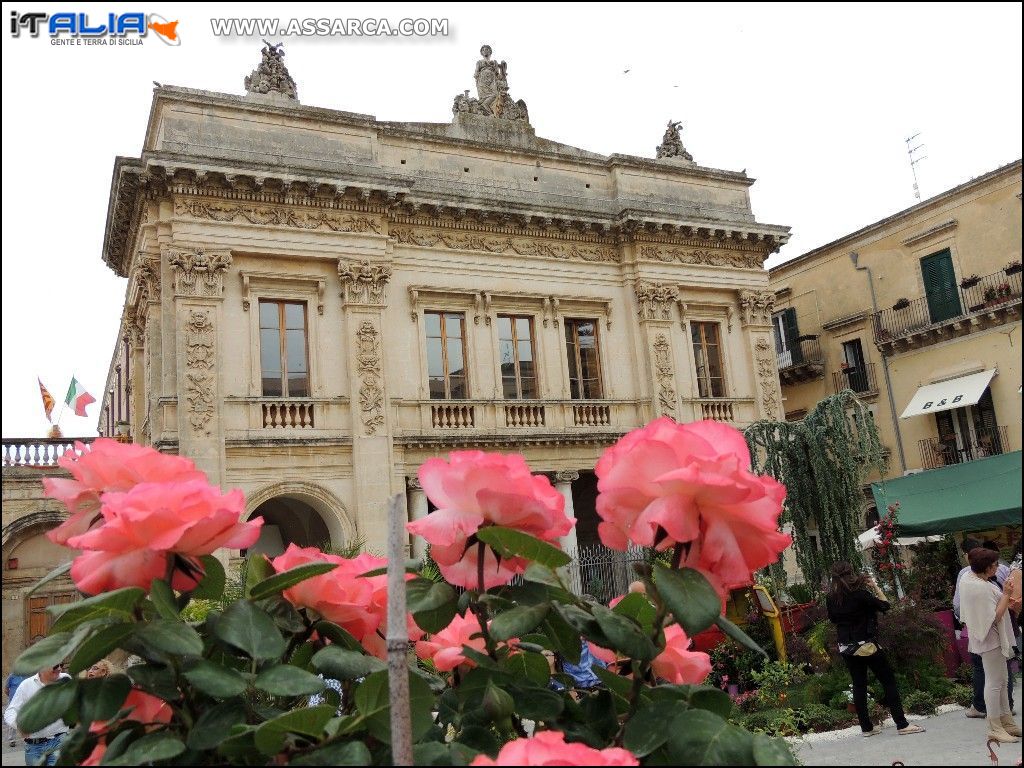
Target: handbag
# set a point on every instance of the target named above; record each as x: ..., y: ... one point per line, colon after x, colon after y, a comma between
x: 862, y: 648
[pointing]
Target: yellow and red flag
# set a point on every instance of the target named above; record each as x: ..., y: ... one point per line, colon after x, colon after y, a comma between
x: 48, y: 401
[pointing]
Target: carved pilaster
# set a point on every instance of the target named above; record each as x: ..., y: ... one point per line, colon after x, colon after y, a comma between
x: 655, y: 300
x: 371, y: 391
x: 200, y: 357
x: 665, y: 375
x: 757, y: 307
x: 769, y: 398
x: 198, y: 272
x: 363, y: 282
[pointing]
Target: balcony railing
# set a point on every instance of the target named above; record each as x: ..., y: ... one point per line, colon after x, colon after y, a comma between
x: 40, y: 453
x: 861, y: 379
x: 993, y: 292
x: 945, y: 451
x: 740, y: 410
x: 425, y: 417
x: 802, y: 360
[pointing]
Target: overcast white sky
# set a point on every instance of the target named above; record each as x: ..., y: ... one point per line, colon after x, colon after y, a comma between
x: 814, y: 101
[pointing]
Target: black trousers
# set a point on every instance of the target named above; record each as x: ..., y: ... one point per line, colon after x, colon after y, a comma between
x: 879, y: 664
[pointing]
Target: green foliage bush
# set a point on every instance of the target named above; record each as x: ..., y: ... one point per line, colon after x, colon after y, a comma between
x: 965, y: 674
x: 919, y: 703
x: 962, y: 695
x: 819, y: 718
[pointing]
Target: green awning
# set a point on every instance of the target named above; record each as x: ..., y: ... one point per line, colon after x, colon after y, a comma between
x: 972, y: 496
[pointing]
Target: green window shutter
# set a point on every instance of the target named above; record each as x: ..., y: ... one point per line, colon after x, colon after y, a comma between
x: 792, y: 332
x: 940, y: 286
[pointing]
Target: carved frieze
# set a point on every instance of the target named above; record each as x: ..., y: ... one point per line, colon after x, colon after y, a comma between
x: 703, y: 256
x: 655, y: 299
x: 200, y: 354
x: 520, y: 246
x: 198, y: 272
x: 757, y: 307
x: 371, y: 391
x: 266, y: 215
x: 363, y: 282
x: 665, y: 375
x: 767, y: 377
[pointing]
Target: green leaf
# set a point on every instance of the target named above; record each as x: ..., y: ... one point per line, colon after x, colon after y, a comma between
x: 646, y: 731
x: 342, y: 664
x: 338, y: 635
x: 102, y: 697
x: 517, y: 621
x: 565, y: 639
x: 338, y: 753
x: 528, y: 666
x: 539, y: 704
x: 216, y: 681
x: 690, y: 597
x: 249, y: 629
x: 617, y: 684
x: 150, y: 748
x: 712, y: 700
x: 479, y: 739
x: 433, y: 604
x: 302, y: 656
x: 739, y: 635
x: 497, y: 703
x: 698, y: 737
x: 284, y: 614
x: 371, y: 698
x: 637, y: 607
x: 275, y: 584
x: 211, y: 586
x: 48, y: 705
x: 257, y: 569
x: 306, y: 721
x: 56, y: 573
x: 172, y: 637
x: 155, y: 679
x: 98, y: 646
x: 769, y: 751
x: 431, y: 753
x: 626, y: 636
x: 541, y: 574
x: 411, y: 566
x: 162, y: 597
x: 51, y: 650
x: 286, y: 680
x: 508, y: 542
x: 117, y: 605
x: 214, y: 723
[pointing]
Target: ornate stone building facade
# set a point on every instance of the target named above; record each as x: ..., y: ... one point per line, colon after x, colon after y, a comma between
x: 319, y: 300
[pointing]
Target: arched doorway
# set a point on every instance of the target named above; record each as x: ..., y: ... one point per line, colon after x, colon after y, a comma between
x: 288, y: 521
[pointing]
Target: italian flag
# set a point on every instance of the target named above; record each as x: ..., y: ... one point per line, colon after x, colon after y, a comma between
x: 78, y: 398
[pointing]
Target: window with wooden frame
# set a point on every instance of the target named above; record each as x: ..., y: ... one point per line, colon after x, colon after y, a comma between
x: 284, y: 353
x: 446, y: 358
x: 515, y: 350
x: 581, y: 348
x: 707, y: 357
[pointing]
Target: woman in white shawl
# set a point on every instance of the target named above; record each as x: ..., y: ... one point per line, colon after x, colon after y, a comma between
x: 983, y: 608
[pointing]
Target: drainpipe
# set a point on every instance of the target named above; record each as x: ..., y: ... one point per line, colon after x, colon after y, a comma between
x: 854, y: 256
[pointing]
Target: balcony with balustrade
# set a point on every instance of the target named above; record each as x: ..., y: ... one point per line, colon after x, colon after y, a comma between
x: 38, y: 454
x: 801, y: 361
x: 980, y: 302
x: 947, y: 450
x: 860, y: 379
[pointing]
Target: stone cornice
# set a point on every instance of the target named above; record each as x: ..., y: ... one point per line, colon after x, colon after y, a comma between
x: 841, y: 322
x: 931, y: 232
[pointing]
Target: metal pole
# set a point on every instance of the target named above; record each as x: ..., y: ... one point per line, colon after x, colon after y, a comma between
x: 398, y: 635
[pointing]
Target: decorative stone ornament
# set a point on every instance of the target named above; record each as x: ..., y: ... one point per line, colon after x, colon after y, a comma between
x: 492, y: 93
x: 672, y: 144
x: 272, y: 76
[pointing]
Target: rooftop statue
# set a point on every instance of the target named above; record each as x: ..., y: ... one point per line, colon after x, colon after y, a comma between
x: 672, y: 144
x: 272, y: 76
x: 492, y: 92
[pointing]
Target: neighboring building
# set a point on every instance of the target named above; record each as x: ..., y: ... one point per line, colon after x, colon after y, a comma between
x: 920, y: 315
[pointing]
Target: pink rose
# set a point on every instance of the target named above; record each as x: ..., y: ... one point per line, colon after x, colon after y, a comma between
x: 445, y: 648
x: 677, y: 663
x: 551, y: 748
x: 148, y: 525
x: 107, y: 465
x: 475, y: 489
x: 142, y: 708
x: 669, y: 483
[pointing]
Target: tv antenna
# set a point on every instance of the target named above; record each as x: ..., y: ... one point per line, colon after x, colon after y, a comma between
x: 914, y: 161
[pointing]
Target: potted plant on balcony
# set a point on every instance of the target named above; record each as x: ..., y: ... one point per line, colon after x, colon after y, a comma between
x: 1012, y: 268
x: 1005, y: 291
x: 901, y: 303
x: 884, y: 334
x: 970, y: 282
x: 808, y: 337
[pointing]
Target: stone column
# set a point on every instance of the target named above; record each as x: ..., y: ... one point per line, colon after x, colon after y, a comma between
x: 563, y: 480
x: 418, y: 509
x: 654, y: 308
x: 198, y: 298
x: 756, y: 308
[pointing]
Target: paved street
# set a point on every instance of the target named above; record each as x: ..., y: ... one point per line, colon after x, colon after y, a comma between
x: 951, y: 739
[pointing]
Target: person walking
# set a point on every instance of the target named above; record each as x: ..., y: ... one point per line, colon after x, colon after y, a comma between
x: 853, y: 603
x: 41, y: 747
x: 984, y: 608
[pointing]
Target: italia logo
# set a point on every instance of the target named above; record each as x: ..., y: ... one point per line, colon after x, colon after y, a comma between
x: 82, y: 25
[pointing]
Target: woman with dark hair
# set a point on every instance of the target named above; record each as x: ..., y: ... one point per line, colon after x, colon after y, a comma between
x: 853, y: 603
x: 984, y: 609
